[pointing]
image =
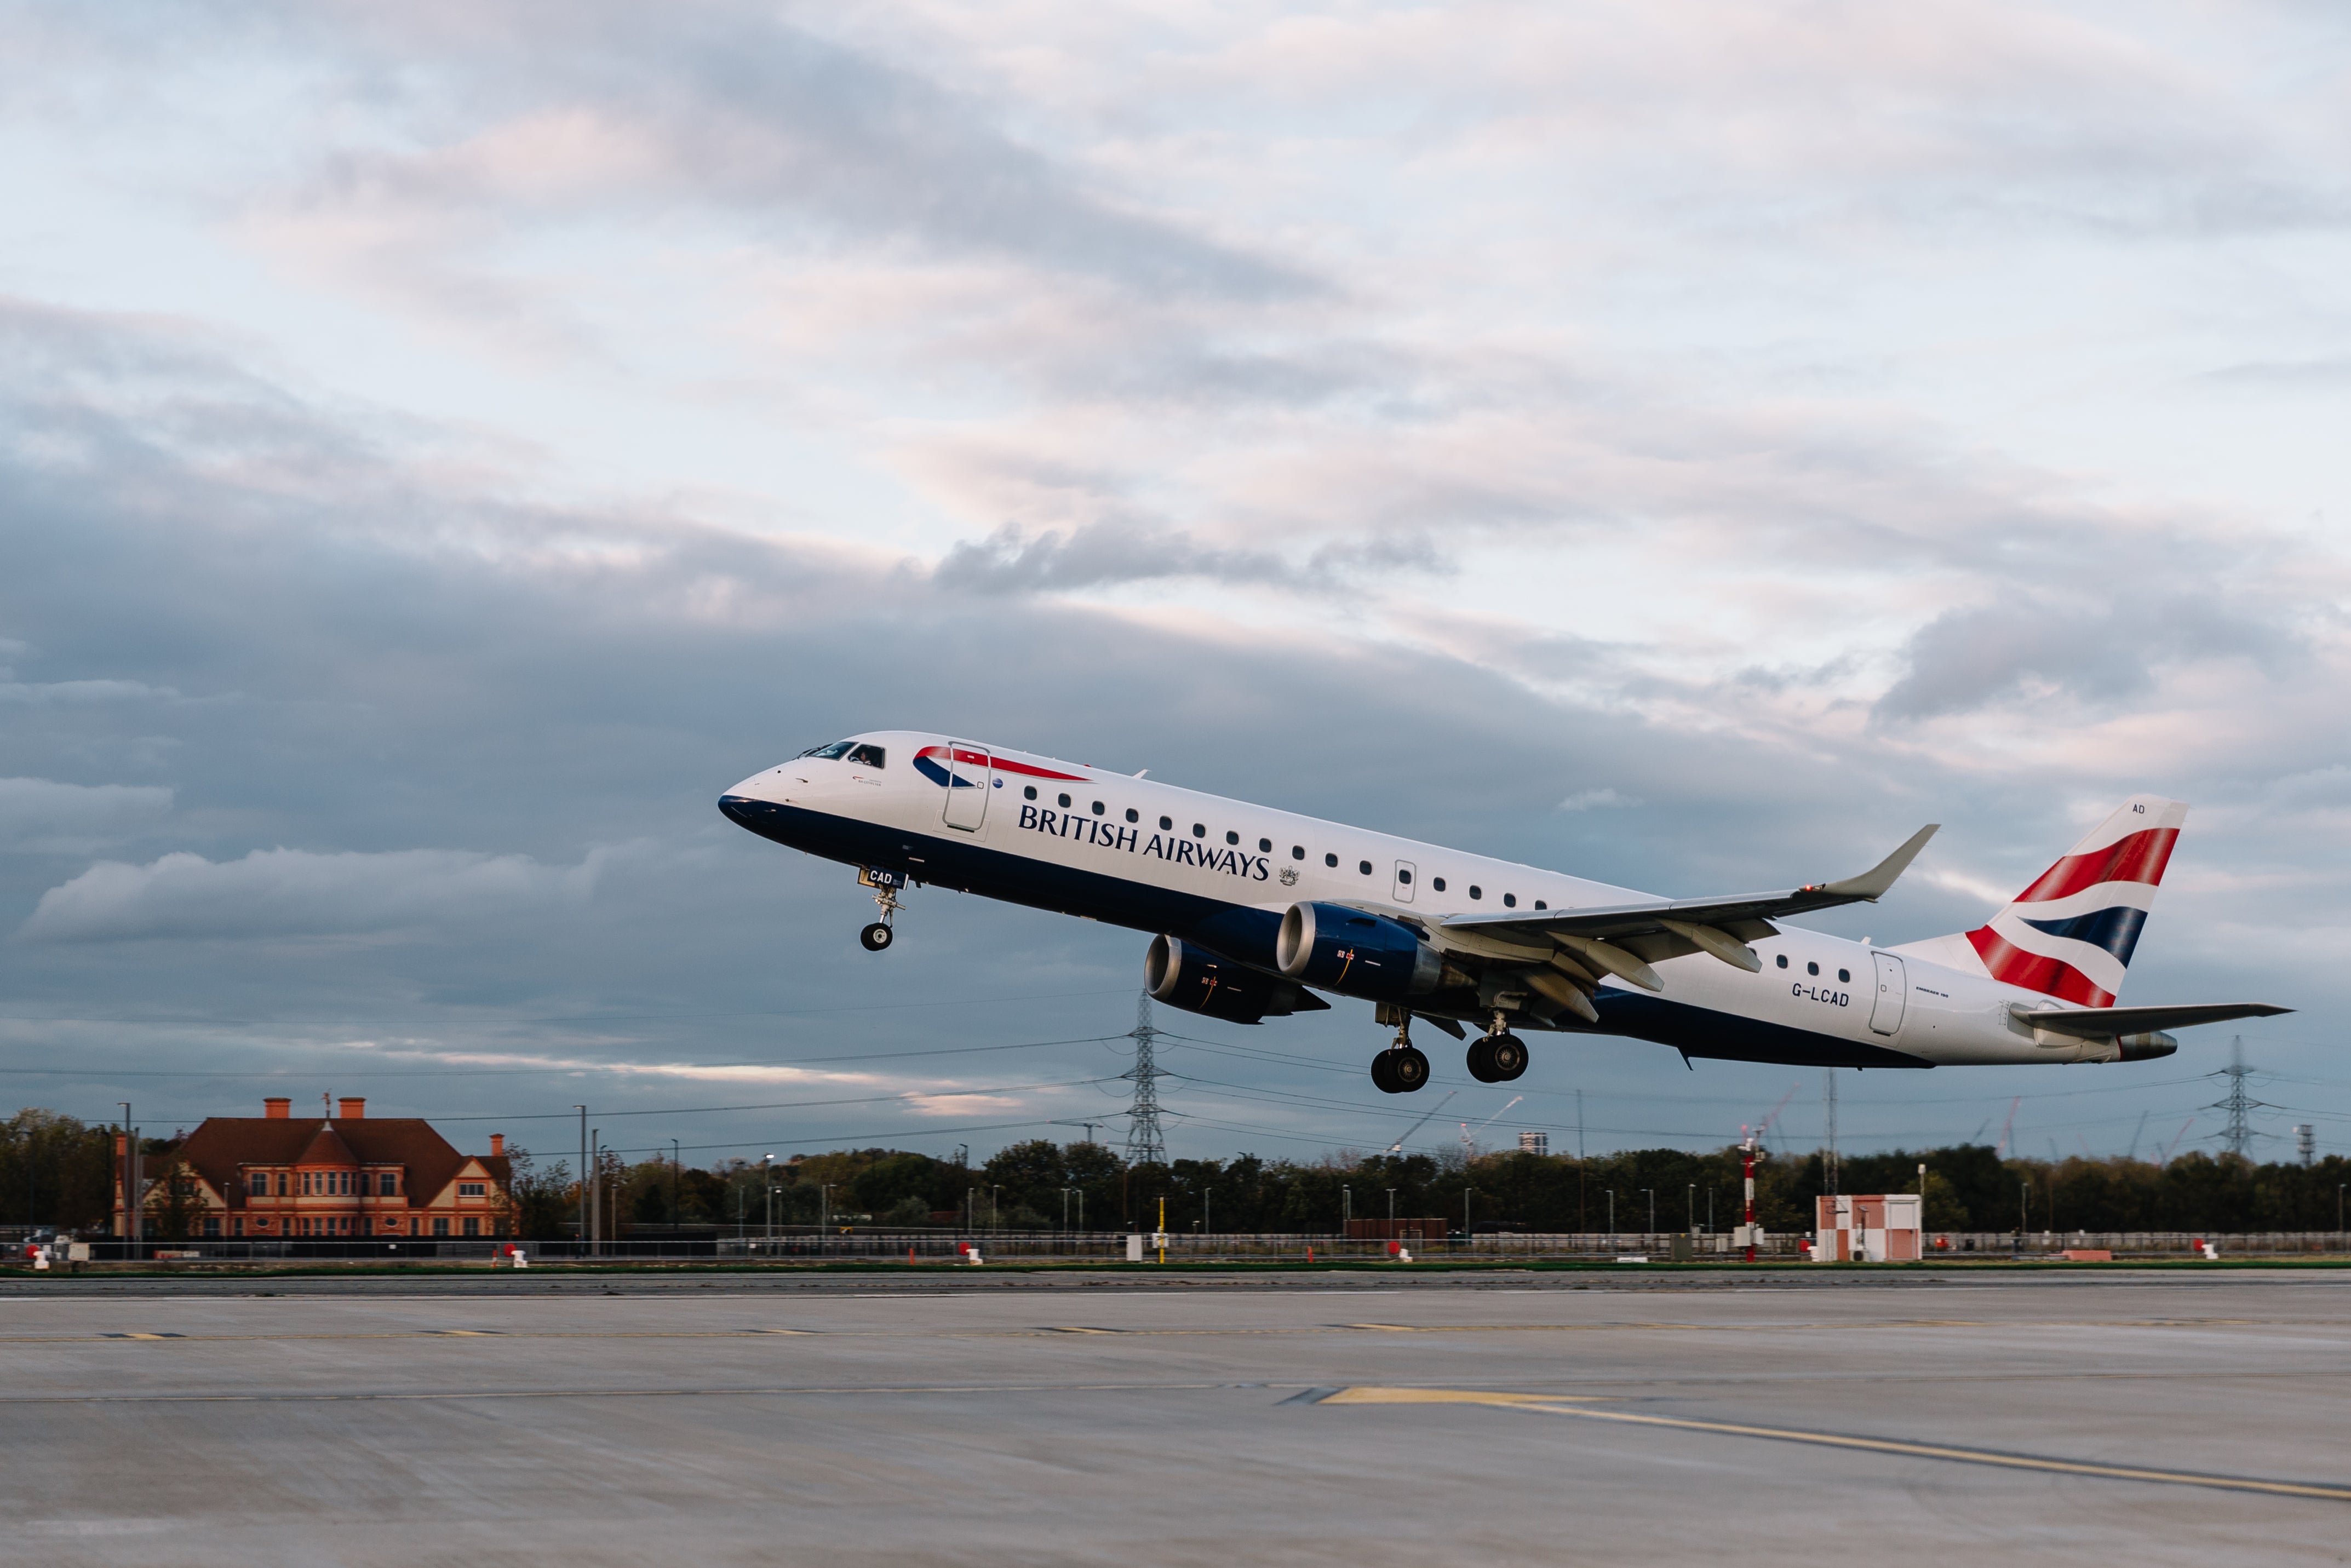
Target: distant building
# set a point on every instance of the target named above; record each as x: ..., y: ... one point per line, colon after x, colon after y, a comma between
x: 277, y: 1178
x: 1534, y: 1142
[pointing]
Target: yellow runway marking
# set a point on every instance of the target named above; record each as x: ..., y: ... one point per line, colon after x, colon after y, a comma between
x: 1552, y: 1405
x: 1451, y: 1397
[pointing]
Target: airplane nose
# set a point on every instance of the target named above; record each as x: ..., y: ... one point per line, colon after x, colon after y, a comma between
x: 738, y: 809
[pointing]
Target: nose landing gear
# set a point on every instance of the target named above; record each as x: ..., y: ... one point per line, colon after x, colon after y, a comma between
x: 885, y: 886
x: 1401, y: 1068
x: 1499, y: 1057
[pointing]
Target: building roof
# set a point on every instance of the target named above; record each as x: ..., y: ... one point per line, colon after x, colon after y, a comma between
x: 429, y: 1162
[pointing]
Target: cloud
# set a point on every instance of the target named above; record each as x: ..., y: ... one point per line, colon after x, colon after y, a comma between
x: 47, y: 817
x: 1596, y: 800
x: 297, y: 893
x: 2088, y: 653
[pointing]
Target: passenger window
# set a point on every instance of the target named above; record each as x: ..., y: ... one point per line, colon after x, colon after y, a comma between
x: 1541, y: 904
x: 1100, y: 808
x: 1331, y: 859
x: 1166, y: 824
x: 1844, y: 977
x: 870, y: 757
x: 1783, y: 960
x: 1510, y: 900
x: 1404, y: 876
x: 1133, y: 815
x: 1477, y: 892
x: 1298, y: 851
x: 1063, y: 799
x: 1265, y: 846
x: 1364, y: 866
x: 1029, y: 791
x: 1199, y: 830
x: 1811, y: 968
x: 1231, y: 837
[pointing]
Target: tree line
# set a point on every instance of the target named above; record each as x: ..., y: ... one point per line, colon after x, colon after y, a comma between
x: 58, y: 1171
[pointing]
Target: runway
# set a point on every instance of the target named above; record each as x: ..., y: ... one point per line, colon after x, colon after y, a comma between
x: 979, y: 1417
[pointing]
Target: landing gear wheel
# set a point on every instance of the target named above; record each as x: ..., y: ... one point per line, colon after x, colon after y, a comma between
x: 875, y: 936
x: 1507, y: 1054
x: 1481, y: 1060
x: 1399, y: 1069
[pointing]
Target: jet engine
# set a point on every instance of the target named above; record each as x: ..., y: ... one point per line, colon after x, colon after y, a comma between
x: 1192, y: 977
x: 1345, y: 950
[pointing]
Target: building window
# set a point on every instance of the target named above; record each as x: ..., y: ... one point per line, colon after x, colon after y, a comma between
x: 281, y: 1184
x: 259, y: 1184
x: 472, y: 1226
x: 388, y: 1185
x: 440, y: 1227
x: 236, y: 1226
x: 212, y: 1226
x: 412, y: 1225
x: 469, y: 1189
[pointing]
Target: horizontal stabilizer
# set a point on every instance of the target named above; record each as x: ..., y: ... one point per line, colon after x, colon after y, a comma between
x: 2097, y: 1023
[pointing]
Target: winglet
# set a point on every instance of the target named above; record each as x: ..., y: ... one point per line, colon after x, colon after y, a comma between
x: 1874, y: 881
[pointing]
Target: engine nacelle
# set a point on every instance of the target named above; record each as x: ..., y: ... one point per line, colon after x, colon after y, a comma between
x: 1345, y: 950
x: 2145, y: 1047
x: 1191, y: 978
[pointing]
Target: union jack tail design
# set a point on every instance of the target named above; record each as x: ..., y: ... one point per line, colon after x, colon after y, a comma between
x: 2071, y: 933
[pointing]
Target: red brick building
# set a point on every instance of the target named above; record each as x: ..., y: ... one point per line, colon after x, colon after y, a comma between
x: 277, y: 1178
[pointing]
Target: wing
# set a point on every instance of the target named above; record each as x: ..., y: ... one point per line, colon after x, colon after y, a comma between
x: 2097, y: 1023
x: 1625, y: 939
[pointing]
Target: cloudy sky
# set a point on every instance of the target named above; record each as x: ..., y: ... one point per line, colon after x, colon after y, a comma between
x: 441, y: 446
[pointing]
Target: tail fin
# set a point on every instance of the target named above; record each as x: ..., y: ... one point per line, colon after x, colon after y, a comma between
x: 2071, y: 933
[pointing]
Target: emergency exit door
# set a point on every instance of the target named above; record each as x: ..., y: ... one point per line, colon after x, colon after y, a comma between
x: 1886, y: 1011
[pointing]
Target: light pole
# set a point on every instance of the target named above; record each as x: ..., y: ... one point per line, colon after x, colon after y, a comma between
x: 823, y: 1207
x: 677, y: 1177
x: 130, y: 1175
x: 996, y: 1205
x: 1391, y: 1213
x: 583, y: 1173
x: 1653, y: 1212
x: 1612, y: 1216
x: 1347, y: 1209
x: 1693, y: 1206
x: 1065, y: 1208
x: 767, y: 1180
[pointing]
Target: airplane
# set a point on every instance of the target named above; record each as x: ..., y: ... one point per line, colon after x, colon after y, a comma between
x: 1252, y: 912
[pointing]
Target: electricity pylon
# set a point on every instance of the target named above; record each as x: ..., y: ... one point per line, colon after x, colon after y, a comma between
x: 1145, y: 1144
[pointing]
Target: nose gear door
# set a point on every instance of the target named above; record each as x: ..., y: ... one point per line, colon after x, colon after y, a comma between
x: 967, y: 784
x: 1885, y: 1012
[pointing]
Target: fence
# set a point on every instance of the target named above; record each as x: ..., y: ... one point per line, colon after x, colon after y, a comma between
x: 867, y: 1244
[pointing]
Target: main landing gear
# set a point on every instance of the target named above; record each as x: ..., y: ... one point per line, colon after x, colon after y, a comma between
x: 1499, y: 1057
x: 885, y: 886
x: 1401, y: 1068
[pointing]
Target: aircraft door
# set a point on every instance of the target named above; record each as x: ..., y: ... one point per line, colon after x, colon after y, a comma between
x: 1885, y: 1012
x: 1405, y: 875
x: 967, y: 786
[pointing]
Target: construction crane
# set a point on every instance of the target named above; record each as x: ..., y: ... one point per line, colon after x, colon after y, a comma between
x: 1397, y: 1147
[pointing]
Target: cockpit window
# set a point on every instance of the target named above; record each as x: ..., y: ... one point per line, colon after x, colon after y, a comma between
x: 867, y: 757
x: 833, y: 753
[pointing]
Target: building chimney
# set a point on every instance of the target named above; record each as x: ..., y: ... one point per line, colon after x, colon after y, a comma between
x: 498, y: 1144
x: 277, y: 1108
x: 353, y: 1110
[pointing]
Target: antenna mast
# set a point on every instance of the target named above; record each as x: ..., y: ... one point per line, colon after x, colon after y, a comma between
x: 1828, y: 1119
x: 1145, y: 1145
